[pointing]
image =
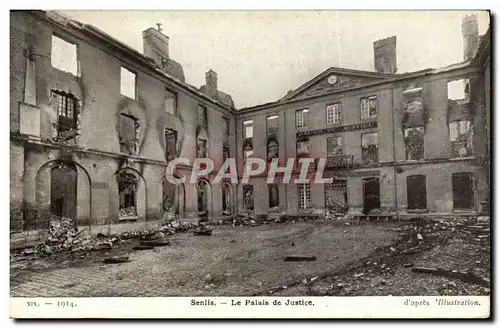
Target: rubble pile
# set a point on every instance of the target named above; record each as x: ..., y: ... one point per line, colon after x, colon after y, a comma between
x: 127, y: 213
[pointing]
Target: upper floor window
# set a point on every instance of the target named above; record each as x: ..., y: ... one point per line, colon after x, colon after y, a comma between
x: 333, y: 113
x: 248, y: 129
x: 128, y: 84
x: 67, y: 111
x: 170, y: 102
x: 272, y: 125
x: 64, y: 56
x: 461, y: 133
x: 303, y: 148
x: 202, y: 116
x: 225, y: 153
x: 129, y: 126
x: 225, y: 126
x: 201, y: 148
x: 301, y: 118
x: 170, y: 144
x: 459, y: 90
x: 369, y: 107
x: 414, y: 141
x: 334, y: 146
x: 369, y: 148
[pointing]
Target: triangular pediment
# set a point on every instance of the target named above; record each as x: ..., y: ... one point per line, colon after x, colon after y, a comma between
x: 334, y: 79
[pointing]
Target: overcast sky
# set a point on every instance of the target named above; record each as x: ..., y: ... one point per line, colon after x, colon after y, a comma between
x: 259, y: 55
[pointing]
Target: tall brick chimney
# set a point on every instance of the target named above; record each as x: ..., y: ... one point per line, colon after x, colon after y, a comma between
x: 155, y: 45
x: 385, y: 55
x: 470, y: 36
x: 211, y: 84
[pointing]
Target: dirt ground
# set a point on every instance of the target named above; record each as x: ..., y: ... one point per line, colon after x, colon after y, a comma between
x: 243, y: 261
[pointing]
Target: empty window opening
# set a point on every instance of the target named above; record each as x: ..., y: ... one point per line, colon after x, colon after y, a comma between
x: 202, y: 116
x: 169, y: 195
x: 127, y: 189
x: 226, y: 199
x: 272, y: 125
x: 371, y: 194
x: 170, y: 102
x: 301, y: 118
x: 170, y: 144
x: 463, y: 191
x: 369, y: 107
x: 369, y: 148
x: 304, y: 196
x: 64, y: 56
x: 248, y: 129
x: 225, y: 154
x: 416, y: 192
x: 274, y: 196
x: 336, y: 197
x: 461, y: 134
x: 128, y: 84
x: 414, y: 140
x: 67, y: 112
x: 272, y: 150
x: 129, y: 129
x: 333, y: 113
x: 248, y: 198
x: 459, y: 90
x: 201, y: 148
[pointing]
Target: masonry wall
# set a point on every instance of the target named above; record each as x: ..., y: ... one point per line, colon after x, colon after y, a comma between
x: 96, y: 151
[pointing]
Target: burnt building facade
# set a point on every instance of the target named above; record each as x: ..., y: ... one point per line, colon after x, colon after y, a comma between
x: 94, y: 124
x: 395, y: 144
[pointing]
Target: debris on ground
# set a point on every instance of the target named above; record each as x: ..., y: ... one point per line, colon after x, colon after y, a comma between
x: 296, y: 258
x: 116, y: 259
x: 465, y: 276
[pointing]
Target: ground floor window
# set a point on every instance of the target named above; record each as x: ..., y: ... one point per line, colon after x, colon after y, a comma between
x: 416, y: 192
x: 304, y: 196
x: 203, y: 197
x: 63, y: 182
x: 127, y: 189
x: 463, y: 190
x: 371, y: 194
x: 226, y: 199
x: 248, y: 198
x: 274, y: 196
x: 336, y: 196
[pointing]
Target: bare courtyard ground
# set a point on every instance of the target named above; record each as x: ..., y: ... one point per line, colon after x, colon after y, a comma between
x: 242, y: 261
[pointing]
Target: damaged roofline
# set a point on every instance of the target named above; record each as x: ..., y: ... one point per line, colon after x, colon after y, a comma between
x: 133, y: 53
x: 396, y: 78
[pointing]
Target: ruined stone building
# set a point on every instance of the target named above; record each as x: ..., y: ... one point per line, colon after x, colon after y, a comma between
x: 395, y: 144
x: 94, y: 123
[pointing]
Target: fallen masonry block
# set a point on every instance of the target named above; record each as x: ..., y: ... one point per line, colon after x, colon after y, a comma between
x: 202, y: 232
x: 102, y: 246
x: 467, y: 277
x: 154, y: 243
x: 116, y: 259
x: 295, y: 258
x: 142, y: 247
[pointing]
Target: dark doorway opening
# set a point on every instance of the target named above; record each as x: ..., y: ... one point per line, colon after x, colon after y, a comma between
x: 63, y: 182
x: 416, y: 192
x: 371, y: 194
x: 463, y: 191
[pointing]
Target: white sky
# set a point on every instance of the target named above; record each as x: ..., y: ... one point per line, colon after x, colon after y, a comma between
x: 259, y: 55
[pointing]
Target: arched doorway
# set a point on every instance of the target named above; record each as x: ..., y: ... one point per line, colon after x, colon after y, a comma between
x: 63, y: 183
x: 227, y: 199
x: 173, y: 198
x: 204, y: 199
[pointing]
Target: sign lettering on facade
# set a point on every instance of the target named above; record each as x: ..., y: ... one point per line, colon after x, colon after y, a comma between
x: 344, y: 128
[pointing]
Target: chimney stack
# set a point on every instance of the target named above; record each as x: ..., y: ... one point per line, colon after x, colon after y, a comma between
x: 385, y: 55
x: 211, y: 83
x: 470, y: 35
x: 155, y: 45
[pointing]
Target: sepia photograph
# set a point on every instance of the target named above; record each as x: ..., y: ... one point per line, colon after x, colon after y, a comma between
x: 250, y: 163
